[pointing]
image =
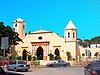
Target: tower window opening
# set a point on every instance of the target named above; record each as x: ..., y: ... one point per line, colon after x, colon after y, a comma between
x: 68, y: 34
x: 23, y: 27
x: 73, y: 35
x: 15, y: 25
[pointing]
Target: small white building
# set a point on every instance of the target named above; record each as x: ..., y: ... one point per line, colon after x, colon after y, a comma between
x: 94, y: 45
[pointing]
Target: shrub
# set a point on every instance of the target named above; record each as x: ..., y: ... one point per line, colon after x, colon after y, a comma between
x: 29, y: 57
x: 58, y: 58
x: 12, y: 58
x: 34, y: 58
x: 51, y: 56
x: 35, y: 61
x: 19, y: 57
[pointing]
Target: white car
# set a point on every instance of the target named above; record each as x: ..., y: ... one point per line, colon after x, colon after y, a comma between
x: 2, y: 72
x: 18, y: 65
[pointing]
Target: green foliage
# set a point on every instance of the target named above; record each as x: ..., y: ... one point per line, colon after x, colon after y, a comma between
x: 12, y: 58
x: 96, y: 54
x: 87, y: 42
x: 34, y: 58
x: 19, y: 57
x: 96, y: 39
x: 7, y: 31
x: 1, y: 52
x: 35, y: 61
x: 51, y: 56
x: 69, y: 55
x: 29, y: 57
x: 58, y: 58
x: 84, y: 43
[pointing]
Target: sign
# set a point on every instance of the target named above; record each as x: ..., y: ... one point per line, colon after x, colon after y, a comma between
x: 4, y: 43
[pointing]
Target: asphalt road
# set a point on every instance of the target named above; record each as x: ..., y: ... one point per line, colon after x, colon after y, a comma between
x: 76, y: 70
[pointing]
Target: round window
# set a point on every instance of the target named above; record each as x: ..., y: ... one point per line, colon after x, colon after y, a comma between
x: 40, y: 37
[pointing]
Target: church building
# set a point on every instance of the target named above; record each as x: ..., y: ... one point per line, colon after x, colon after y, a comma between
x: 40, y: 43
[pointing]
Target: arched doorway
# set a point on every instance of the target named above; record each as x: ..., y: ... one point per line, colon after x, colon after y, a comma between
x: 40, y: 53
x: 56, y: 53
x: 24, y: 57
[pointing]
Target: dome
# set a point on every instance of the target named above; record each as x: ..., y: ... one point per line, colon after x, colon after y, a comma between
x: 19, y: 20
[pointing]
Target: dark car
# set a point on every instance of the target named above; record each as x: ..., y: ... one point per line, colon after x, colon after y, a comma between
x: 18, y: 65
x: 58, y: 63
x: 2, y: 72
x: 93, y: 68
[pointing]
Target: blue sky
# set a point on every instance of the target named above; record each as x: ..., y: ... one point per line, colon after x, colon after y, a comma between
x: 53, y: 15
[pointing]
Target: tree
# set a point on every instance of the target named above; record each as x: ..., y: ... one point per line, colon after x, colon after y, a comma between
x: 1, y: 31
x: 7, y: 31
x: 69, y: 55
x: 84, y: 43
x: 87, y: 42
x: 96, y: 40
x: 79, y: 41
x: 96, y: 54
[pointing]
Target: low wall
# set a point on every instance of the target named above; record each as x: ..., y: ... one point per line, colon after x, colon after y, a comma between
x: 72, y: 63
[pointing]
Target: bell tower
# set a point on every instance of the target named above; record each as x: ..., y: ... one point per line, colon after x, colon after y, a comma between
x: 70, y: 32
x: 19, y: 26
x: 70, y: 35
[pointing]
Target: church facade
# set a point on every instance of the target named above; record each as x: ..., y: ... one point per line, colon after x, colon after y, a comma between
x: 40, y: 43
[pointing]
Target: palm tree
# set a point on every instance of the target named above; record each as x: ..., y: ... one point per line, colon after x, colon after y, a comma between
x: 69, y: 55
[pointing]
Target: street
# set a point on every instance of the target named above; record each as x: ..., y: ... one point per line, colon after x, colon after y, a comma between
x: 55, y: 71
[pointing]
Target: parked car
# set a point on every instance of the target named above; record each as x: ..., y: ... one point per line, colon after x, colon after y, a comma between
x: 58, y: 63
x: 93, y: 68
x: 6, y: 61
x: 2, y: 72
x: 18, y: 65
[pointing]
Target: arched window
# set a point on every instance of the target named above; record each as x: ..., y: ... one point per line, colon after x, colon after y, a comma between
x: 16, y: 25
x: 68, y: 34
x: 23, y: 27
x: 57, y: 52
x: 73, y: 35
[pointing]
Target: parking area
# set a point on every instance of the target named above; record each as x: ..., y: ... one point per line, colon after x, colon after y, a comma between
x: 73, y: 70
